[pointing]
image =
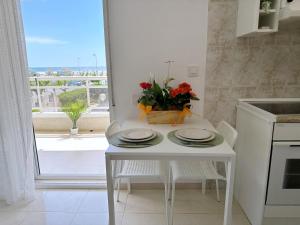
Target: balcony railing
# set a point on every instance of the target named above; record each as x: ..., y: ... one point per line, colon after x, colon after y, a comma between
x: 47, y: 92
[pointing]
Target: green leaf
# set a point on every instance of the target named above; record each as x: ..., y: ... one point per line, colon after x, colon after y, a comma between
x: 195, y: 98
x: 167, y: 81
x: 74, y: 111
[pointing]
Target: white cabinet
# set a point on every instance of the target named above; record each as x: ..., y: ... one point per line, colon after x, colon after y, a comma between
x: 267, y: 162
x: 286, y: 131
x: 253, y: 20
x: 253, y: 149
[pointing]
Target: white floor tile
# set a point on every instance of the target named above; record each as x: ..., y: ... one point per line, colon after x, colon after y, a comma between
x: 236, y: 209
x: 141, y: 207
x: 190, y: 194
x: 72, y: 162
x: 207, y: 219
x: 240, y: 220
x: 48, y: 218
x: 96, y: 202
x: 39, y: 195
x: 196, y: 219
x: 78, y: 155
x: 11, y: 218
x: 69, y: 143
x: 144, y: 201
x: 143, y: 219
x: 4, y: 207
x: 95, y: 219
x: 194, y: 202
x: 57, y: 201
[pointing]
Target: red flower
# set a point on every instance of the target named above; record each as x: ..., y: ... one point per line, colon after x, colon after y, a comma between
x: 145, y: 85
x: 184, y: 88
x: 185, y: 85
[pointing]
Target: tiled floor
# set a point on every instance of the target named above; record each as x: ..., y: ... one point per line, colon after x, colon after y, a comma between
x: 71, y: 155
x: 141, y: 207
x: 78, y: 163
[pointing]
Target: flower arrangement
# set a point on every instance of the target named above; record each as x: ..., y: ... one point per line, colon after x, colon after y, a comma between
x: 166, y: 98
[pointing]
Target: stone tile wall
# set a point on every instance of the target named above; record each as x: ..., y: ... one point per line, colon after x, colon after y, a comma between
x: 256, y: 67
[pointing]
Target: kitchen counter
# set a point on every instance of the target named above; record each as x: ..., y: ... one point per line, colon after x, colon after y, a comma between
x: 291, y: 118
x: 280, y: 110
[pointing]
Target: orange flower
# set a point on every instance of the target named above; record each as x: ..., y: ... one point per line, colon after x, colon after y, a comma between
x: 177, y: 91
x: 182, y: 88
x: 174, y: 92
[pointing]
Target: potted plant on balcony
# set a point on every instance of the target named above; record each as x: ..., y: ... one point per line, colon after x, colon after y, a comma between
x: 165, y: 105
x: 74, y: 111
x: 266, y: 6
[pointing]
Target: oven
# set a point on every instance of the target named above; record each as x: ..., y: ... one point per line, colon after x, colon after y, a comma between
x: 284, y: 176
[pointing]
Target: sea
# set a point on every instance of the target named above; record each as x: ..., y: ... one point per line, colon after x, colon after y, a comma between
x: 66, y: 68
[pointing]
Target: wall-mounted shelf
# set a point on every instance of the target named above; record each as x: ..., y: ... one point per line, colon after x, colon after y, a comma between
x: 265, y: 30
x: 263, y: 12
x: 253, y: 20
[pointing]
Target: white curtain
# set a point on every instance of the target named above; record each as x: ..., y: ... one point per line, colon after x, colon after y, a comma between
x: 16, y: 136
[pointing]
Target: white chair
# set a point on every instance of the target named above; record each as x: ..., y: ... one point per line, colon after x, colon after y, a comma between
x: 137, y: 168
x: 228, y: 132
x: 195, y: 171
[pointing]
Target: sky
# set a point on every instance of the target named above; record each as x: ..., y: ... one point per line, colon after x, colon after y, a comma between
x: 63, y: 33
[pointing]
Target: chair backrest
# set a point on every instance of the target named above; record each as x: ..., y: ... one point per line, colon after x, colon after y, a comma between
x: 228, y: 132
x: 114, y: 127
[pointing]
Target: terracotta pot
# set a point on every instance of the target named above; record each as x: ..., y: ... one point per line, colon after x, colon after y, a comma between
x: 165, y: 117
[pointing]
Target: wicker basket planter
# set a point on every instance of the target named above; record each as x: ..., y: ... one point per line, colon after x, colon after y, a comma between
x: 165, y: 117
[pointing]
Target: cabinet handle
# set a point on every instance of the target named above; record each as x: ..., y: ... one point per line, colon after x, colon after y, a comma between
x: 294, y: 146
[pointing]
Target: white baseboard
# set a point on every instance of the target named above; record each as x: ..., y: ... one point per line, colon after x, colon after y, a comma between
x: 70, y: 184
x: 282, y: 212
x: 101, y: 184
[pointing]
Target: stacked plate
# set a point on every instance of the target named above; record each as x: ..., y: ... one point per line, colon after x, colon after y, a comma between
x: 137, y: 135
x: 195, y: 135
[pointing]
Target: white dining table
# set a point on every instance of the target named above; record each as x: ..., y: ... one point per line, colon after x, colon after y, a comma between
x: 166, y: 151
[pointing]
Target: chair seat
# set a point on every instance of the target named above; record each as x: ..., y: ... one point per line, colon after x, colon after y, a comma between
x: 194, y: 170
x: 140, y: 168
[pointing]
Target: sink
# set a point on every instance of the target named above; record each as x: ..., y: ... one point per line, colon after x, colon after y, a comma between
x: 279, y: 108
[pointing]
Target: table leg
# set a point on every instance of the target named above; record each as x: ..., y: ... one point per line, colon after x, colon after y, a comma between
x: 166, y: 169
x: 229, y: 192
x: 110, y: 191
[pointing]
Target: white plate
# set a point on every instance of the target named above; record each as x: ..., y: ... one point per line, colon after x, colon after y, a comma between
x: 137, y: 134
x: 138, y: 140
x: 194, y: 133
x: 195, y: 140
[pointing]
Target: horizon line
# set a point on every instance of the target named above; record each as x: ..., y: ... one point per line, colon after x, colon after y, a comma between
x: 62, y: 66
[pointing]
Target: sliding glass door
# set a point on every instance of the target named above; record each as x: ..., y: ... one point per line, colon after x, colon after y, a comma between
x: 69, y: 86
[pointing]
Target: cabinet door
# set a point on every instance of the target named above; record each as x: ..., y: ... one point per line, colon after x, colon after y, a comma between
x: 248, y: 13
x: 253, y: 20
x: 253, y: 155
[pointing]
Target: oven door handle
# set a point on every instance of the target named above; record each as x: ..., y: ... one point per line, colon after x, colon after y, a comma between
x: 292, y: 144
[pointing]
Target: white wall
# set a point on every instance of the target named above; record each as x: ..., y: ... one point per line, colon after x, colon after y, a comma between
x: 144, y: 34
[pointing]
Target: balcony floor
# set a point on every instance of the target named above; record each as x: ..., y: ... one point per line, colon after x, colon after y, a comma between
x: 68, y: 155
